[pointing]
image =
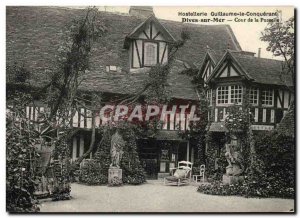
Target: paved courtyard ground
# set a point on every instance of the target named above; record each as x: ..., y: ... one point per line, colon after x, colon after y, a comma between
x: 155, y: 197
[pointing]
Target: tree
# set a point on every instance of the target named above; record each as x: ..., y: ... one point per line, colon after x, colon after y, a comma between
x: 61, y: 99
x: 280, y: 36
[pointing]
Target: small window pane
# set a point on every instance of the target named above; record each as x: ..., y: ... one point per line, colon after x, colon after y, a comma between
x: 267, y: 97
x: 150, y: 53
x: 236, y: 94
x: 222, y: 92
x: 253, y: 96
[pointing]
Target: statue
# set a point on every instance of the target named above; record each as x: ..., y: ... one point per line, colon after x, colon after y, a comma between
x: 235, y: 162
x: 234, y: 159
x: 116, y: 150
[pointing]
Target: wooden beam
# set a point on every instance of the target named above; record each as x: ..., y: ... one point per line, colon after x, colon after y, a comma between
x: 132, y: 56
x: 228, y: 69
x: 137, y: 51
x: 157, y: 34
x: 157, y: 54
x: 146, y: 34
x: 188, y: 151
x: 81, y: 149
x: 279, y: 98
x: 151, y: 24
x: 143, y: 54
x: 74, y: 149
x: 163, y: 55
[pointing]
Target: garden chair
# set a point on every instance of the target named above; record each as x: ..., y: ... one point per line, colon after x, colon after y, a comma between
x: 197, y: 178
x: 181, y: 176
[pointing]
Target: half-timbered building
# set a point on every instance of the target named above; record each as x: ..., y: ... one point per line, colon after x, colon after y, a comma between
x: 239, y: 78
x: 118, y: 66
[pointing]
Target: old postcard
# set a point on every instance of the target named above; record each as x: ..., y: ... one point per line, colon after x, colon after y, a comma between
x: 150, y: 109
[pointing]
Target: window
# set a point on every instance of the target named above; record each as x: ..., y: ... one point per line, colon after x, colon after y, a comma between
x: 150, y: 54
x: 267, y: 97
x: 229, y: 94
x: 222, y: 95
x: 236, y: 94
x: 209, y: 96
x: 253, y: 96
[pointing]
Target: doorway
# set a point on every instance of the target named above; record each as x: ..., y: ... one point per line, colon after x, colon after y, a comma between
x: 148, y: 154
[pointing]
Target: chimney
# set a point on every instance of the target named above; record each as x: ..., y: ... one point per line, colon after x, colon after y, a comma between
x: 141, y: 11
x: 259, y: 52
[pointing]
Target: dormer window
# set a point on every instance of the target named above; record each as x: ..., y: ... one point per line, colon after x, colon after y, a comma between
x: 150, y: 54
x: 148, y: 44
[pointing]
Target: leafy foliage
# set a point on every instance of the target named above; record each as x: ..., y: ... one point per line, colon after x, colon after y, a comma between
x: 133, y: 172
x: 73, y: 63
x: 91, y: 173
x: 215, y: 158
x: 280, y: 36
x: 217, y: 188
x: 272, y: 174
x: 276, y: 155
x: 20, y: 155
x: 59, y: 100
x: 238, y: 120
x: 95, y: 172
x: 61, y: 167
x: 116, y: 181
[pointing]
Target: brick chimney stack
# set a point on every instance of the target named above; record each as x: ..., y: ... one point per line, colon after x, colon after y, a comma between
x: 141, y: 11
x: 259, y: 52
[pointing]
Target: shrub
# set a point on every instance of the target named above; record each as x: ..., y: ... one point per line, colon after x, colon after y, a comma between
x: 115, y: 182
x: 217, y: 188
x: 96, y: 172
x: 272, y: 174
x: 276, y: 152
x: 248, y: 188
x: 133, y: 172
x: 215, y: 156
x: 90, y: 174
x: 20, y: 153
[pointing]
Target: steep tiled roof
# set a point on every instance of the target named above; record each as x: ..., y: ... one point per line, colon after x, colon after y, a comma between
x: 179, y: 85
x: 34, y: 35
x: 216, y: 55
x: 262, y: 70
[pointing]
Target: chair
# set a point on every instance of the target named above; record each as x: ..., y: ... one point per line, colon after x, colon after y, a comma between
x: 182, y: 175
x: 196, y: 178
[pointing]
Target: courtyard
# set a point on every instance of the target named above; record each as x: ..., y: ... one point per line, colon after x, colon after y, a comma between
x: 153, y: 196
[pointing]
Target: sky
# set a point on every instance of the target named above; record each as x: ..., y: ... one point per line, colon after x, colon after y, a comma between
x: 247, y: 33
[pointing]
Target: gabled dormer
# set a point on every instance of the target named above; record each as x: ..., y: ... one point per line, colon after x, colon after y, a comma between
x: 228, y: 68
x: 148, y: 44
x: 207, y: 66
